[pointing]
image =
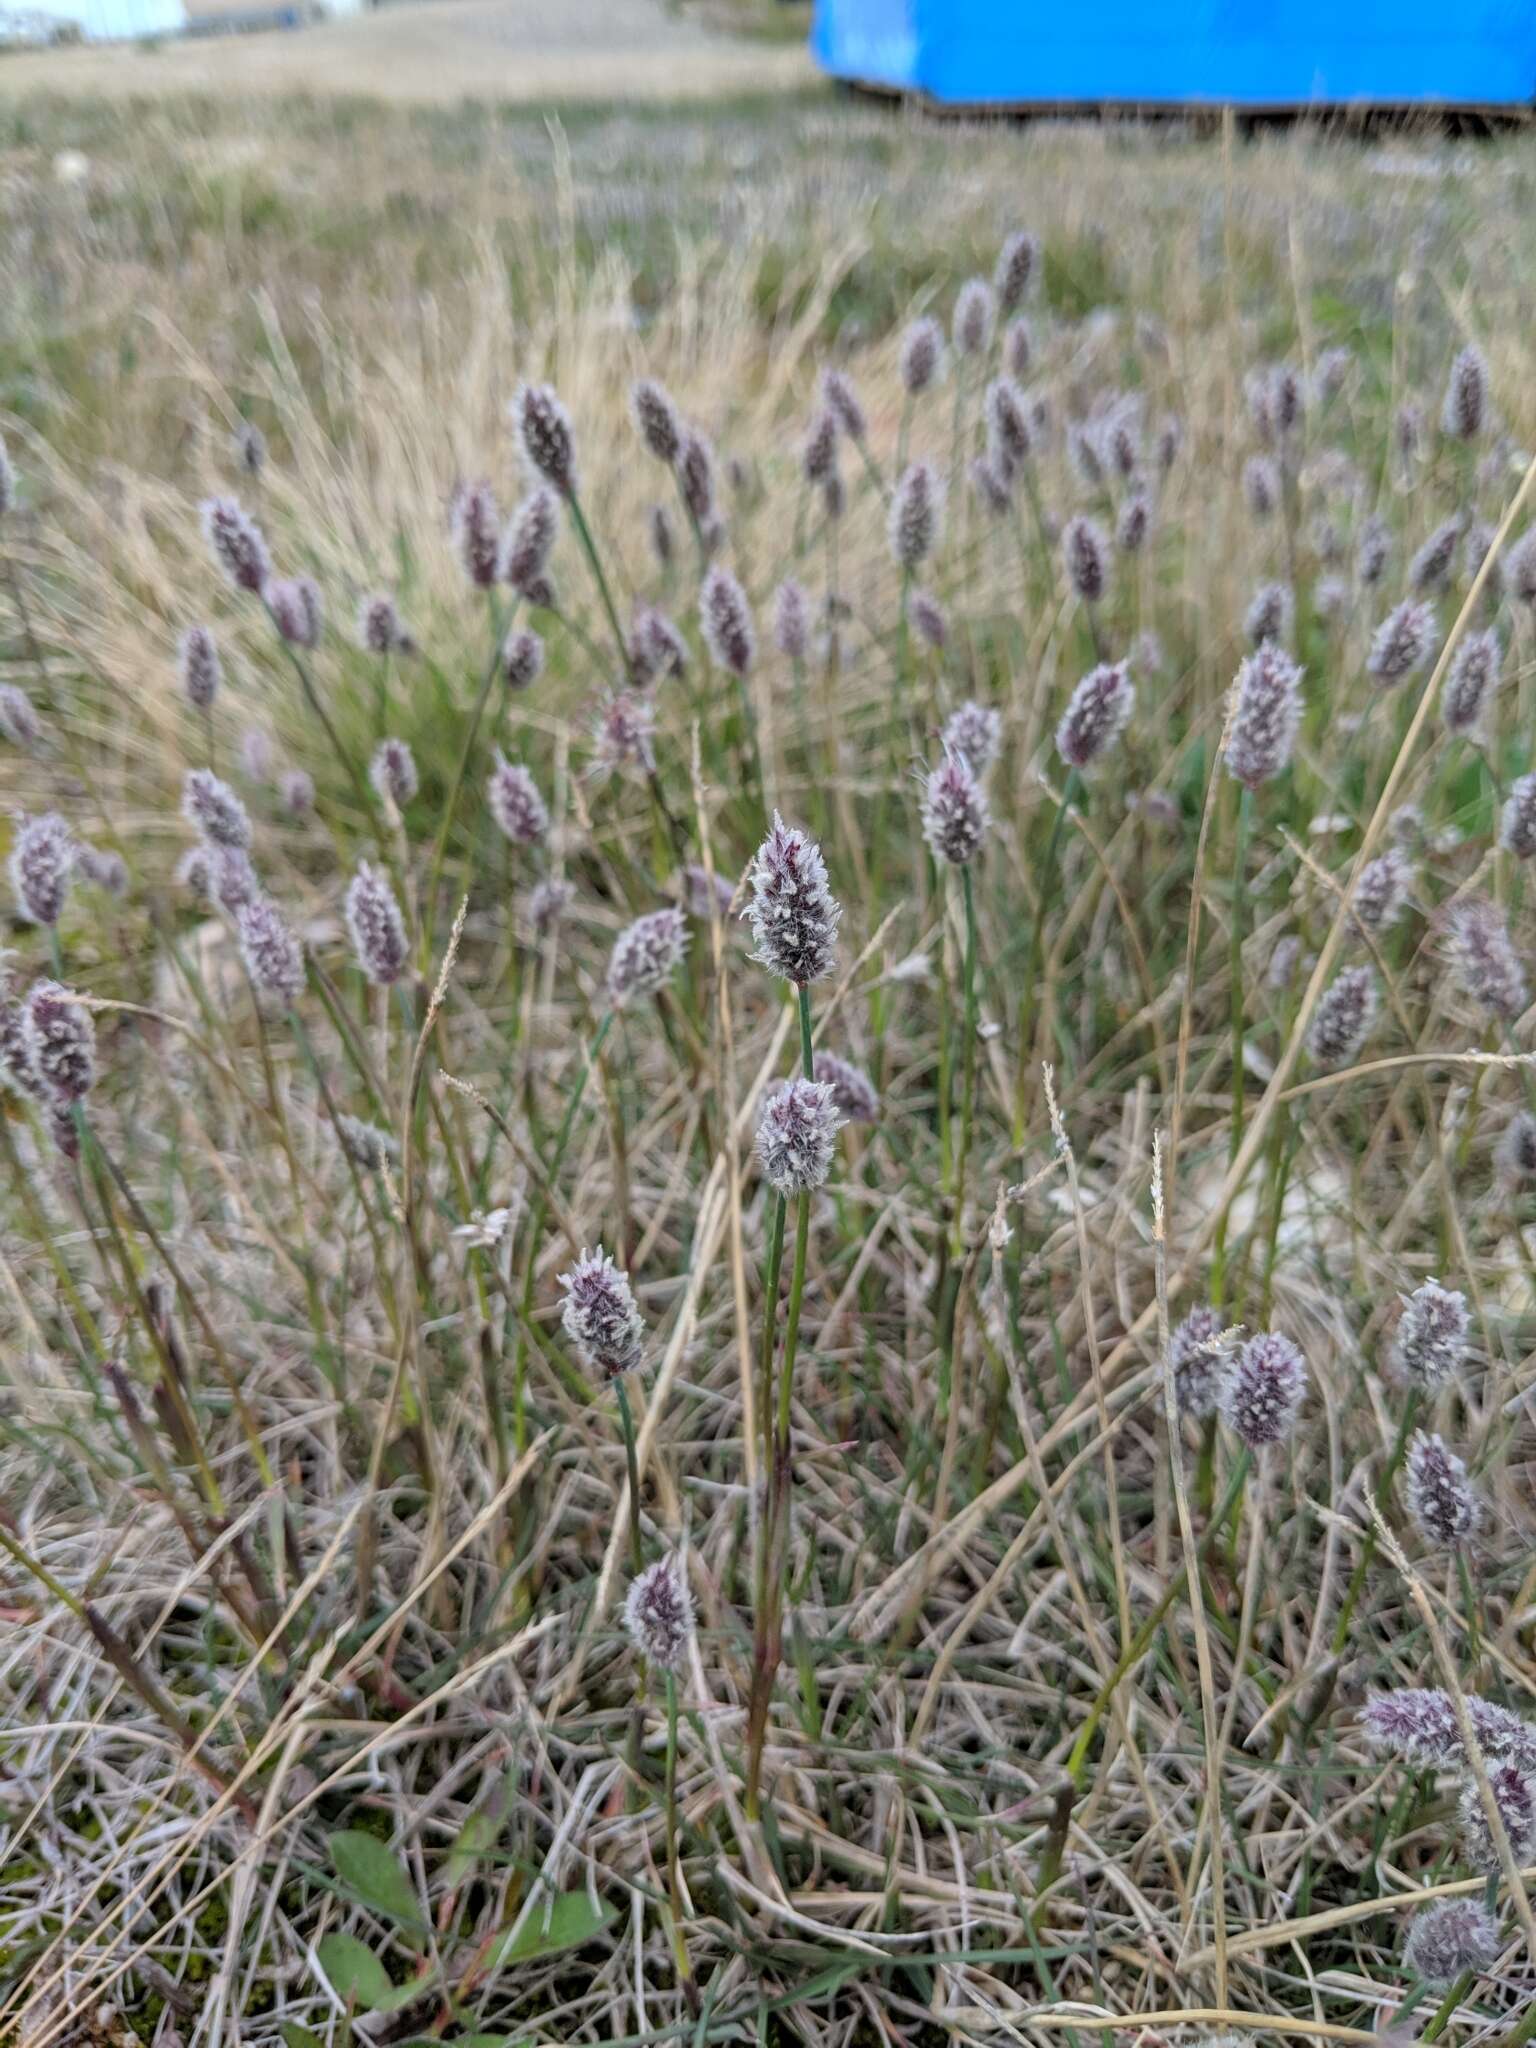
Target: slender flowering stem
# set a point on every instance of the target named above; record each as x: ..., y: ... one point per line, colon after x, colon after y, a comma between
x: 967, y: 1060
x: 589, y: 549
x: 1368, y: 1544
x: 471, y: 733
x: 1235, y: 976
x: 1048, y: 878
x: 626, y: 1418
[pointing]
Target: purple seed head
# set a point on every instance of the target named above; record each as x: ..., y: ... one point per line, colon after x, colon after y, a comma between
x: 250, y: 445
x: 1342, y: 1021
x: 199, y: 663
x: 1134, y: 523
x: 1084, y: 447
x: 696, y: 477
x: 658, y: 524
x: 529, y: 541
x: 1441, y: 1502
x: 792, y: 911
x: 1520, y: 567
x: 392, y: 771
x: 1408, y: 429
x: 1271, y: 614
x: 42, y: 861
x: 255, y: 754
x: 19, y: 722
x: 626, y: 734
x: 1431, y: 1339
x: 1475, y: 552
x: 1261, y: 1390
x: 1430, y: 569
x: 916, y: 516
x: 797, y: 1135
x: 991, y: 487
x: 223, y: 875
x: 101, y: 868
x: 236, y: 544
x: 1122, y: 438
x: 1420, y: 1726
x: 477, y: 533
x: 547, y: 903
x: 1514, y: 1795
x: 1085, y: 551
x: 1266, y: 716
x: 1401, y: 643
x: 60, y: 1042
x: 792, y: 621
x: 818, y: 459
x: 1195, y: 1360
x: 1454, y: 1938
x: 212, y: 809
x: 522, y: 658
x: 725, y: 619
x: 376, y: 927
x: 1517, y: 820
x: 645, y: 956
x: 273, y: 956
x: 1331, y: 372
x: 600, y: 1315
x: 929, y: 620
x: 15, y: 1059
x: 297, y: 613
x: 922, y: 355
x: 842, y: 401
x: 658, y: 1613
x: 1469, y: 687
x: 656, y: 647
x: 975, y: 316
x: 955, y: 813
x: 296, y: 792
x: 854, y: 1095
x: 975, y: 733
x: 1019, y: 348
x: 1482, y: 958
x: 1465, y: 411
x: 544, y: 433
x: 1009, y: 441
x: 1516, y: 1153
x: 379, y: 630
x: 1381, y: 894
x: 1018, y: 266
x: 1097, y: 712
x: 520, y: 812
x: 656, y: 420
x: 1170, y: 439
x: 1371, y: 555
x: 369, y: 1148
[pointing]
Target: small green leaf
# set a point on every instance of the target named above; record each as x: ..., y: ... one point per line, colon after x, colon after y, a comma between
x: 375, y: 1876
x: 300, y: 2037
x: 476, y: 1838
x: 354, y: 1971
x: 566, y: 1922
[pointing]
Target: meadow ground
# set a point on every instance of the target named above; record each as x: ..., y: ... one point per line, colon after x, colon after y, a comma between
x: 1022, y: 1689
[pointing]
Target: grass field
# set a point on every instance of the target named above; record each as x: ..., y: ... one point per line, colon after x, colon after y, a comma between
x: 1026, y: 1691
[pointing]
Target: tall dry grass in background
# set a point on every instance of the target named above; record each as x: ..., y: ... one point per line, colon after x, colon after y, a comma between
x: 983, y: 1678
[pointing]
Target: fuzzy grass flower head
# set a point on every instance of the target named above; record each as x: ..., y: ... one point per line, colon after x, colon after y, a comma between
x: 1442, y: 1504
x: 658, y: 1612
x: 1260, y: 1392
x: 856, y: 1097
x: 544, y: 434
x: 1482, y: 957
x: 626, y: 734
x: 1271, y: 615
x: 1431, y: 1339
x: 1516, y: 1150
x: 512, y: 795
x: 1266, y: 716
x: 656, y: 419
x: 273, y: 956
x: 522, y: 658
x: 19, y: 722
x: 213, y: 810
x: 297, y: 612
x: 916, y: 516
x: 1195, y: 1359
x: 922, y: 355
x: 529, y: 541
x: 1381, y: 893
x: 1517, y: 820
x: 797, y: 1135
x: 1097, y: 713
x: 1465, y: 410
x: 1343, y: 1019
x: 955, y: 813
x: 1468, y: 690
x: 41, y: 865
x: 725, y: 619
x: 974, y: 732
x: 392, y: 772
x: 376, y: 927
x: 1085, y: 551
x: 793, y: 914
x: 792, y: 621
x: 1513, y: 1786
x: 379, y: 630
x: 198, y: 660
x: 1401, y: 643
x: 1451, y: 1939
x: 236, y: 544
x: 60, y: 1041
x: 975, y: 317
x: 646, y: 955
x: 601, y: 1317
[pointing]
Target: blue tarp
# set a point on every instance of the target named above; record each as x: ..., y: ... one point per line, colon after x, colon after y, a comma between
x: 1253, y: 53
